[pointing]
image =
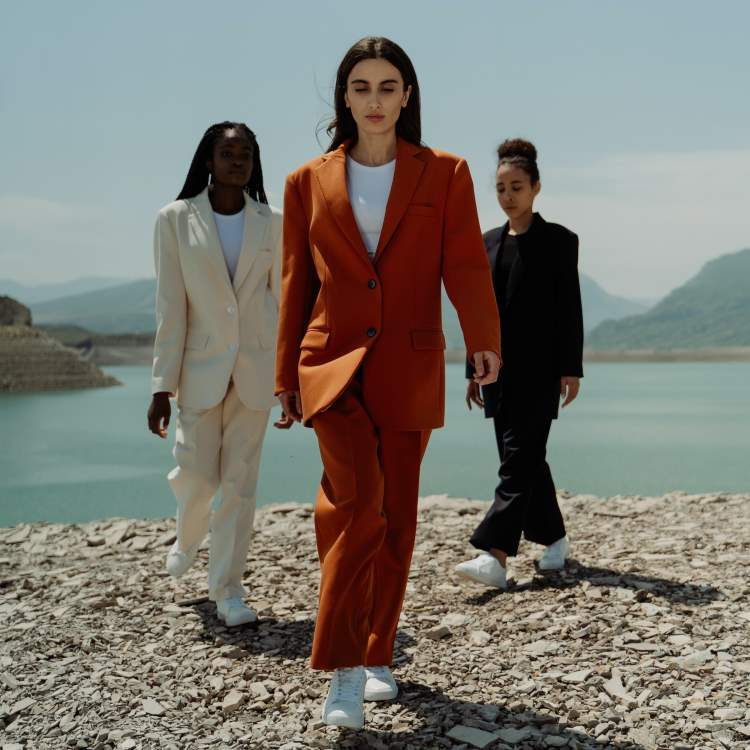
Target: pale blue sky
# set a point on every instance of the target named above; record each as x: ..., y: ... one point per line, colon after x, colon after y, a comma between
x: 639, y: 110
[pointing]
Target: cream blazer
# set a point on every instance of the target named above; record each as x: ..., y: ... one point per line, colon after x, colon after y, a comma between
x: 210, y: 328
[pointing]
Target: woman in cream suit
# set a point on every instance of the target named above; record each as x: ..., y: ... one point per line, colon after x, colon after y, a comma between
x: 217, y: 256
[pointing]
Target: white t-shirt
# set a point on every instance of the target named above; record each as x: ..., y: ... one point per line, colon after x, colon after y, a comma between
x: 231, y: 232
x: 369, y: 188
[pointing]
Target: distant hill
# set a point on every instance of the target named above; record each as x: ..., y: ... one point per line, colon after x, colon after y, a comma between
x: 710, y: 310
x: 31, y: 294
x: 598, y: 305
x: 127, y: 308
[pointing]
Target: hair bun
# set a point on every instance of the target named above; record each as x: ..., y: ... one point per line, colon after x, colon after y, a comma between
x: 516, y: 147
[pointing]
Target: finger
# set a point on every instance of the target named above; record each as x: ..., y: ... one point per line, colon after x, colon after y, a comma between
x: 478, y: 365
x: 562, y: 386
x: 166, y: 420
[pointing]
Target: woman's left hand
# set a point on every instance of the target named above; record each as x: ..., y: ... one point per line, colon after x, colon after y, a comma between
x: 284, y: 422
x: 569, y: 387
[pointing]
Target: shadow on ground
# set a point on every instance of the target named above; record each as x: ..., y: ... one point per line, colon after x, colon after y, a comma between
x: 647, y: 587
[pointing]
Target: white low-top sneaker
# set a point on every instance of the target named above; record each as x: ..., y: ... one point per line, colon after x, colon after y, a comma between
x: 554, y: 556
x: 485, y: 569
x: 380, y: 685
x: 179, y: 562
x: 343, y: 705
x: 233, y: 611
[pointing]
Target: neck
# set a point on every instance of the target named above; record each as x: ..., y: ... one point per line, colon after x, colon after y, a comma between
x: 375, y: 150
x: 521, y: 223
x: 226, y: 199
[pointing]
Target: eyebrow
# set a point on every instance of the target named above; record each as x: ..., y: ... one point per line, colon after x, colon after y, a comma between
x: 362, y: 80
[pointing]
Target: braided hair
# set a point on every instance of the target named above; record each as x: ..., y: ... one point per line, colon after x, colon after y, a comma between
x: 198, y: 175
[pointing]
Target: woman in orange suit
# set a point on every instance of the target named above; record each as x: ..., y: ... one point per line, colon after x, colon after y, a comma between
x: 371, y: 228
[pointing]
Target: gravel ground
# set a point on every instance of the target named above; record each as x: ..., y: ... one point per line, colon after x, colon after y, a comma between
x: 642, y: 642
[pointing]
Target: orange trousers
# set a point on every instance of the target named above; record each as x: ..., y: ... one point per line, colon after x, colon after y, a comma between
x: 365, y: 525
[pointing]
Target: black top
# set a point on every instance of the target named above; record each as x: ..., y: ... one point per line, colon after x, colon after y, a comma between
x: 535, y: 275
x: 508, y: 254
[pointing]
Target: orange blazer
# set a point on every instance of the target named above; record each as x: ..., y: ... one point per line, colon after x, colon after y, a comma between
x: 341, y: 311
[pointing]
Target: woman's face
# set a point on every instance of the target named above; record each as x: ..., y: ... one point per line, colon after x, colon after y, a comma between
x: 375, y: 95
x: 515, y: 193
x: 232, y: 160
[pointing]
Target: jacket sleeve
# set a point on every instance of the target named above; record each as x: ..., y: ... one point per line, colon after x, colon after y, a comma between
x: 466, y: 270
x: 274, y: 275
x: 570, y: 312
x: 171, y: 310
x: 299, y: 287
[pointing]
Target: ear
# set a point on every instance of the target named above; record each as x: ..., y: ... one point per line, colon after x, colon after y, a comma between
x: 405, y: 98
x: 346, y: 100
x: 537, y: 188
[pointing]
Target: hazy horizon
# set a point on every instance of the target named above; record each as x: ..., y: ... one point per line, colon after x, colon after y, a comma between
x: 635, y: 110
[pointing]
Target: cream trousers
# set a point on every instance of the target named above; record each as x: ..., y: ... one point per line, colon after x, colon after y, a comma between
x: 218, y: 448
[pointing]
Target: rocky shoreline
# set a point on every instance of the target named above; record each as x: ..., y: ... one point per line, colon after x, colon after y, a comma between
x: 641, y: 643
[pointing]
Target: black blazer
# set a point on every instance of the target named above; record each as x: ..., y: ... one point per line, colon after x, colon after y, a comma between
x: 541, y: 319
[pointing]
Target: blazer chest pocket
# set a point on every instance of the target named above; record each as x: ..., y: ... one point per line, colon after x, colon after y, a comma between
x: 196, y: 341
x: 315, y: 338
x: 427, y: 340
x: 415, y: 209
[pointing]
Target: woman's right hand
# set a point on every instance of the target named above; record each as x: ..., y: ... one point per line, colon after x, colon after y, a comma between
x: 291, y: 405
x: 474, y: 395
x: 159, y: 413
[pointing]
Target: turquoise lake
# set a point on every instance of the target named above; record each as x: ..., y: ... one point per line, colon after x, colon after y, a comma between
x: 636, y: 428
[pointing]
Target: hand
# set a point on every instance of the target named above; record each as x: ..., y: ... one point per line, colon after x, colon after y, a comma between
x: 291, y: 405
x: 284, y: 422
x: 569, y: 387
x: 159, y: 413
x: 486, y: 367
x: 474, y: 395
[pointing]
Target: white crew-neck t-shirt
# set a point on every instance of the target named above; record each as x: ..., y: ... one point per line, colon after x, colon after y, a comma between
x: 369, y: 188
x: 231, y: 230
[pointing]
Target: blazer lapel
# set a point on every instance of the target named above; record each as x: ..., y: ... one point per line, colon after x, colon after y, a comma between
x: 256, y: 225
x: 331, y: 176
x: 204, y: 228
x: 405, y: 180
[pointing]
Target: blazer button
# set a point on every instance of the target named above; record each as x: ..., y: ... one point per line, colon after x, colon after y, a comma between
x: 371, y: 332
x: 230, y: 310
x: 372, y: 283
x: 232, y: 347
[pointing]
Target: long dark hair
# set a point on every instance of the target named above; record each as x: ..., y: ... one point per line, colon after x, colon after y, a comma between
x: 409, y: 124
x: 198, y: 175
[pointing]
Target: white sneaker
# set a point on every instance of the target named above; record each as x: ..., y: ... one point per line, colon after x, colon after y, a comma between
x: 179, y: 562
x: 380, y: 685
x: 554, y: 556
x: 233, y: 611
x: 343, y: 705
x: 485, y: 569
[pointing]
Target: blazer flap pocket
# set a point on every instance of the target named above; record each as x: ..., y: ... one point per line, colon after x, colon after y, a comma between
x: 315, y: 338
x: 421, y: 210
x: 427, y: 340
x: 196, y: 340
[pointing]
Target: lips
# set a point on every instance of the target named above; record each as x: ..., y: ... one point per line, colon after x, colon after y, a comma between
x: 375, y: 118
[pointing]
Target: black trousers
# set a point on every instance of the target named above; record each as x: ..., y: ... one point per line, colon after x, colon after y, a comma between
x: 525, y: 499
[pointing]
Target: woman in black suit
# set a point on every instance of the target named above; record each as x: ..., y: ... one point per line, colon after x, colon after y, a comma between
x: 534, y: 268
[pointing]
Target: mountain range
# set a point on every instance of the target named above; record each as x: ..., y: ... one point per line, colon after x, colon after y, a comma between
x: 710, y: 310
x: 129, y: 308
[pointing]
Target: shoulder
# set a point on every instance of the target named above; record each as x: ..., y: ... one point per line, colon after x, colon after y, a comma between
x: 174, y: 209
x: 560, y: 233
x: 303, y: 172
x: 440, y: 159
x: 492, y: 236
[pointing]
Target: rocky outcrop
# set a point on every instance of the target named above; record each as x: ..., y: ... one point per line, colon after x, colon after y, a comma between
x: 640, y: 643
x: 13, y: 313
x: 30, y: 360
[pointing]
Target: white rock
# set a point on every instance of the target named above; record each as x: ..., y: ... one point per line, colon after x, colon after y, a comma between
x: 152, y: 707
x: 455, y: 620
x: 479, y: 637
x: 576, y: 678
x: 232, y: 701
